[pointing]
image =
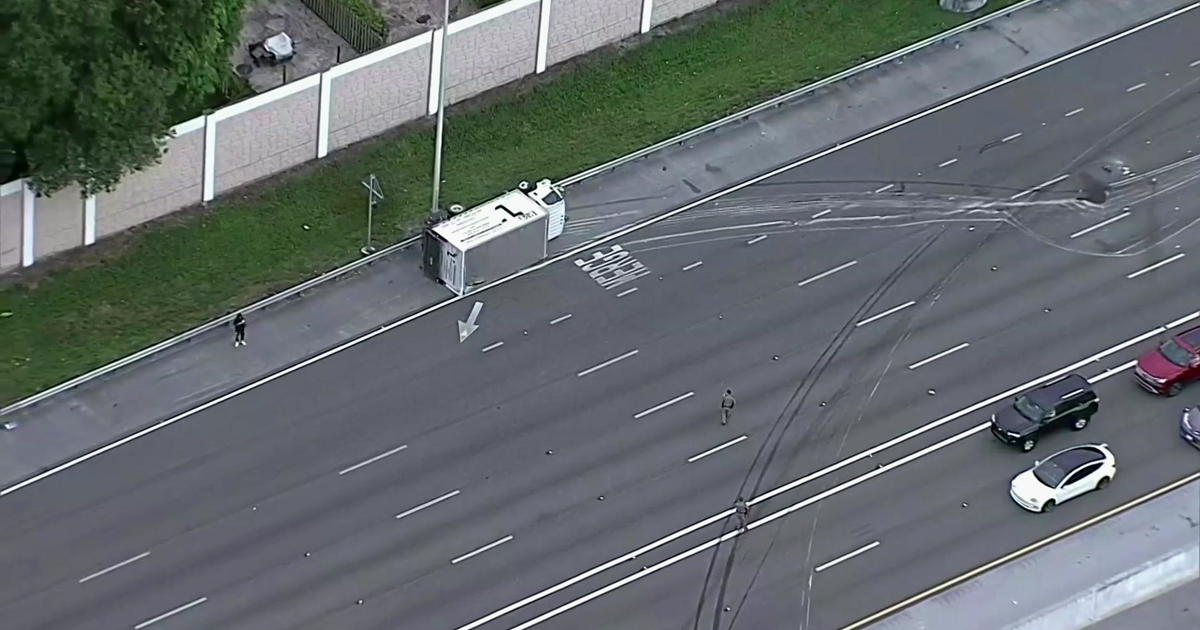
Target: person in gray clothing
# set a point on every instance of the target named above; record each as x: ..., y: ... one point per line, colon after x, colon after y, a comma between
x: 727, y: 403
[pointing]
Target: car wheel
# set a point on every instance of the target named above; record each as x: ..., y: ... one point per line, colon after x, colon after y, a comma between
x: 1047, y: 506
x: 1103, y: 483
x: 1175, y: 389
x: 1079, y: 424
x: 1028, y: 445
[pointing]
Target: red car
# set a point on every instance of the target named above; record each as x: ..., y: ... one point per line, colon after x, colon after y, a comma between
x: 1170, y: 366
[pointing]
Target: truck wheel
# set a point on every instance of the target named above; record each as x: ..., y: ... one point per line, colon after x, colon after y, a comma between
x: 1028, y: 445
x: 1175, y: 389
x: 1079, y: 424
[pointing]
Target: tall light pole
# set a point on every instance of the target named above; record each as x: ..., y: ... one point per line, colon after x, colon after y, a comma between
x: 441, y: 113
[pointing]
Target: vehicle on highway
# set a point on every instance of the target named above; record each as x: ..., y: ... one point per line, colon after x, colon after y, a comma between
x: 1064, y: 476
x: 1069, y: 400
x: 1170, y: 366
x: 1189, y: 425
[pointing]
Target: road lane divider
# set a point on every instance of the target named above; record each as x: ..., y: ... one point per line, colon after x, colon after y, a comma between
x: 1024, y: 551
x: 826, y: 274
x: 842, y: 558
x: 373, y: 459
x: 114, y: 567
x: 607, y: 363
x: 1156, y: 265
x: 894, y: 309
x: 756, y: 239
x: 429, y: 503
x: 939, y: 355
x: 176, y: 611
x: 491, y: 347
x: 871, y: 452
x: 1071, y: 113
x: 680, y: 398
x: 1101, y: 224
x: 482, y: 549
x: 1042, y: 186
x: 716, y: 449
x: 559, y: 320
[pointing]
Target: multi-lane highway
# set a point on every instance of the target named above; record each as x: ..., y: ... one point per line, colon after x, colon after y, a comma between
x: 565, y: 467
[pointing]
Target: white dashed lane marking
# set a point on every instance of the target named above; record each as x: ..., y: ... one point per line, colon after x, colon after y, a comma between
x: 894, y: 309
x: 1041, y: 186
x: 947, y: 163
x: 888, y: 187
x: 1100, y: 225
x: 825, y: 274
x: 821, y: 214
x: 482, y: 549
x: 841, y: 559
x: 693, y: 265
x: 1077, y: 110
x: 429, y: 503
x: 175, y: 611
x: 682, y: 397
x: 939, y: 355
x: 756, y: 239
x: 558, y: 320
x: 493, y: 346
x: 1156, y: 265
x: 1011, y: 137
x: 1135, y: 87
x: 607, y: 363
x: 114, y: 567
x: 376, y: 458
x: 627, y: 292
x: 715, y: 449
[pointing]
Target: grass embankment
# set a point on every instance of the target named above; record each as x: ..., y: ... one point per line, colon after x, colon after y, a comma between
x: 169, y: 278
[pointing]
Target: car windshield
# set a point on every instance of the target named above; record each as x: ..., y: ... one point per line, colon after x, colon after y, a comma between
x: 1175, y: 353
x: 1028, y: 408
x: 1049, y: 473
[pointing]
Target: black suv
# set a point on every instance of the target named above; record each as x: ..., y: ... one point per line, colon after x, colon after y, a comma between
x: 1068, y: 400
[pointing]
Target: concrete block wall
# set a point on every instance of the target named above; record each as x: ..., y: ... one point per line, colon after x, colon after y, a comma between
x: 306, y: 119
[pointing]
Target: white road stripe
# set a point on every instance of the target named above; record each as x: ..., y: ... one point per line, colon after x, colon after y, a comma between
x: 560, y: 319
x: 170, y: 612
x: 114, y: 567
x: 939, y: 355
x: 1100, y: 225
x: 642, y: 414
x: 716, y: 448
x: 1156, y: 265
x: 824, y: 274
x: 1012, y: 137
x: 492, y: 347
x: 616, y: 234
x: 1135, y: 87
x: 822, y: 213
x: 1112, y: 371
x: 840, y: 559
x: 947, y: 163
x: 429, y: 503
x: 693, y: 265
x: 756, y: 239
x: 1040, y: 186
x: 885, y: 313
x: 1194, y: 63
x: 627, y: 291
x: 607, y: 363
x: 871, y: 452
x: 373, y: 459
x: 888, y: 187
x: 482, y: 549
x: 1077, y: 110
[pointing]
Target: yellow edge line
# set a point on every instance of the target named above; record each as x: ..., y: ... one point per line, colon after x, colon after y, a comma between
x: 955, y: 581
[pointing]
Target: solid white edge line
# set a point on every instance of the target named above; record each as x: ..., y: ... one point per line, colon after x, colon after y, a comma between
x: 613, y: 236
x: 607, y: 363
x: 1135, y: 87
x: 1101, y: 224
x: 560, y: 319
x: 114, y: 567
x: 627, y: 291
x: 756, y: 239
x: 1156, y: 265
x: 939, y: 355
x: 756, y: 524
x: 1073, y: 112
x: 715, y: 449
x: 482, y: 549
x: 373, y: 459
x: 825, y: 274
x: 429, y: 503
x: 885, y: 313
x: 176, y: 611
x: 947, y: 163
x: 871, y: 452
x: 492, y: 347
x: 693, y: 265
x: 660, y: 406
x: 840, y: 559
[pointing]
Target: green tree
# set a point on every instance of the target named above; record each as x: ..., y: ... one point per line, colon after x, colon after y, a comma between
x: 90, y: 88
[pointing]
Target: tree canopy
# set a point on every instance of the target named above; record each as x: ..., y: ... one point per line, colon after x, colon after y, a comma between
x: 89, y: 89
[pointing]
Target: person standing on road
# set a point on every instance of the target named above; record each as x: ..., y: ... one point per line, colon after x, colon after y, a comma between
x: 742, y: 509
x: 239, y: 331
x: 727, y: 403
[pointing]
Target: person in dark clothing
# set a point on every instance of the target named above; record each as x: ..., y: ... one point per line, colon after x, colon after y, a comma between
x: 727, y: 403
x: 742, y: 509
x: 239, y: 330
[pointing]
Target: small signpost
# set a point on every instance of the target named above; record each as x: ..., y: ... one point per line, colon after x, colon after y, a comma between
x: 374, y: 196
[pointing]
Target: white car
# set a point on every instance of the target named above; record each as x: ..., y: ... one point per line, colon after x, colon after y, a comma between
x: 1064, y: 476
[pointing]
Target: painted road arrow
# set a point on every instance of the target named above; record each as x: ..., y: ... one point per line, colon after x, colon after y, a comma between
x: 466, y: 328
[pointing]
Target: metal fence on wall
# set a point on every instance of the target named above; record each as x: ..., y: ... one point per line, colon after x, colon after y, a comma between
x: 361, y: 36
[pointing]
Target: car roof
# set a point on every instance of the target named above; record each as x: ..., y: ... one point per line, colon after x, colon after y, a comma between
x: 1071, y: 458
x: 1049, y: 394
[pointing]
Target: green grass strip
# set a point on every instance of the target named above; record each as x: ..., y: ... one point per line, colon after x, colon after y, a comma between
x: 170, y: 278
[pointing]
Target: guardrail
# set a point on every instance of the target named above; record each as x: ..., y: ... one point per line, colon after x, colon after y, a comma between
x: 794, y: 94
x: 573, y: 179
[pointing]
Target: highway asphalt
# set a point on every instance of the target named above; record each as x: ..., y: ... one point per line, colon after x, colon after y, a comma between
x: 438, y: 482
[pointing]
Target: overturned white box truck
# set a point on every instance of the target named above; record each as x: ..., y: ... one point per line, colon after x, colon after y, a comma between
x: 495, y: 238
